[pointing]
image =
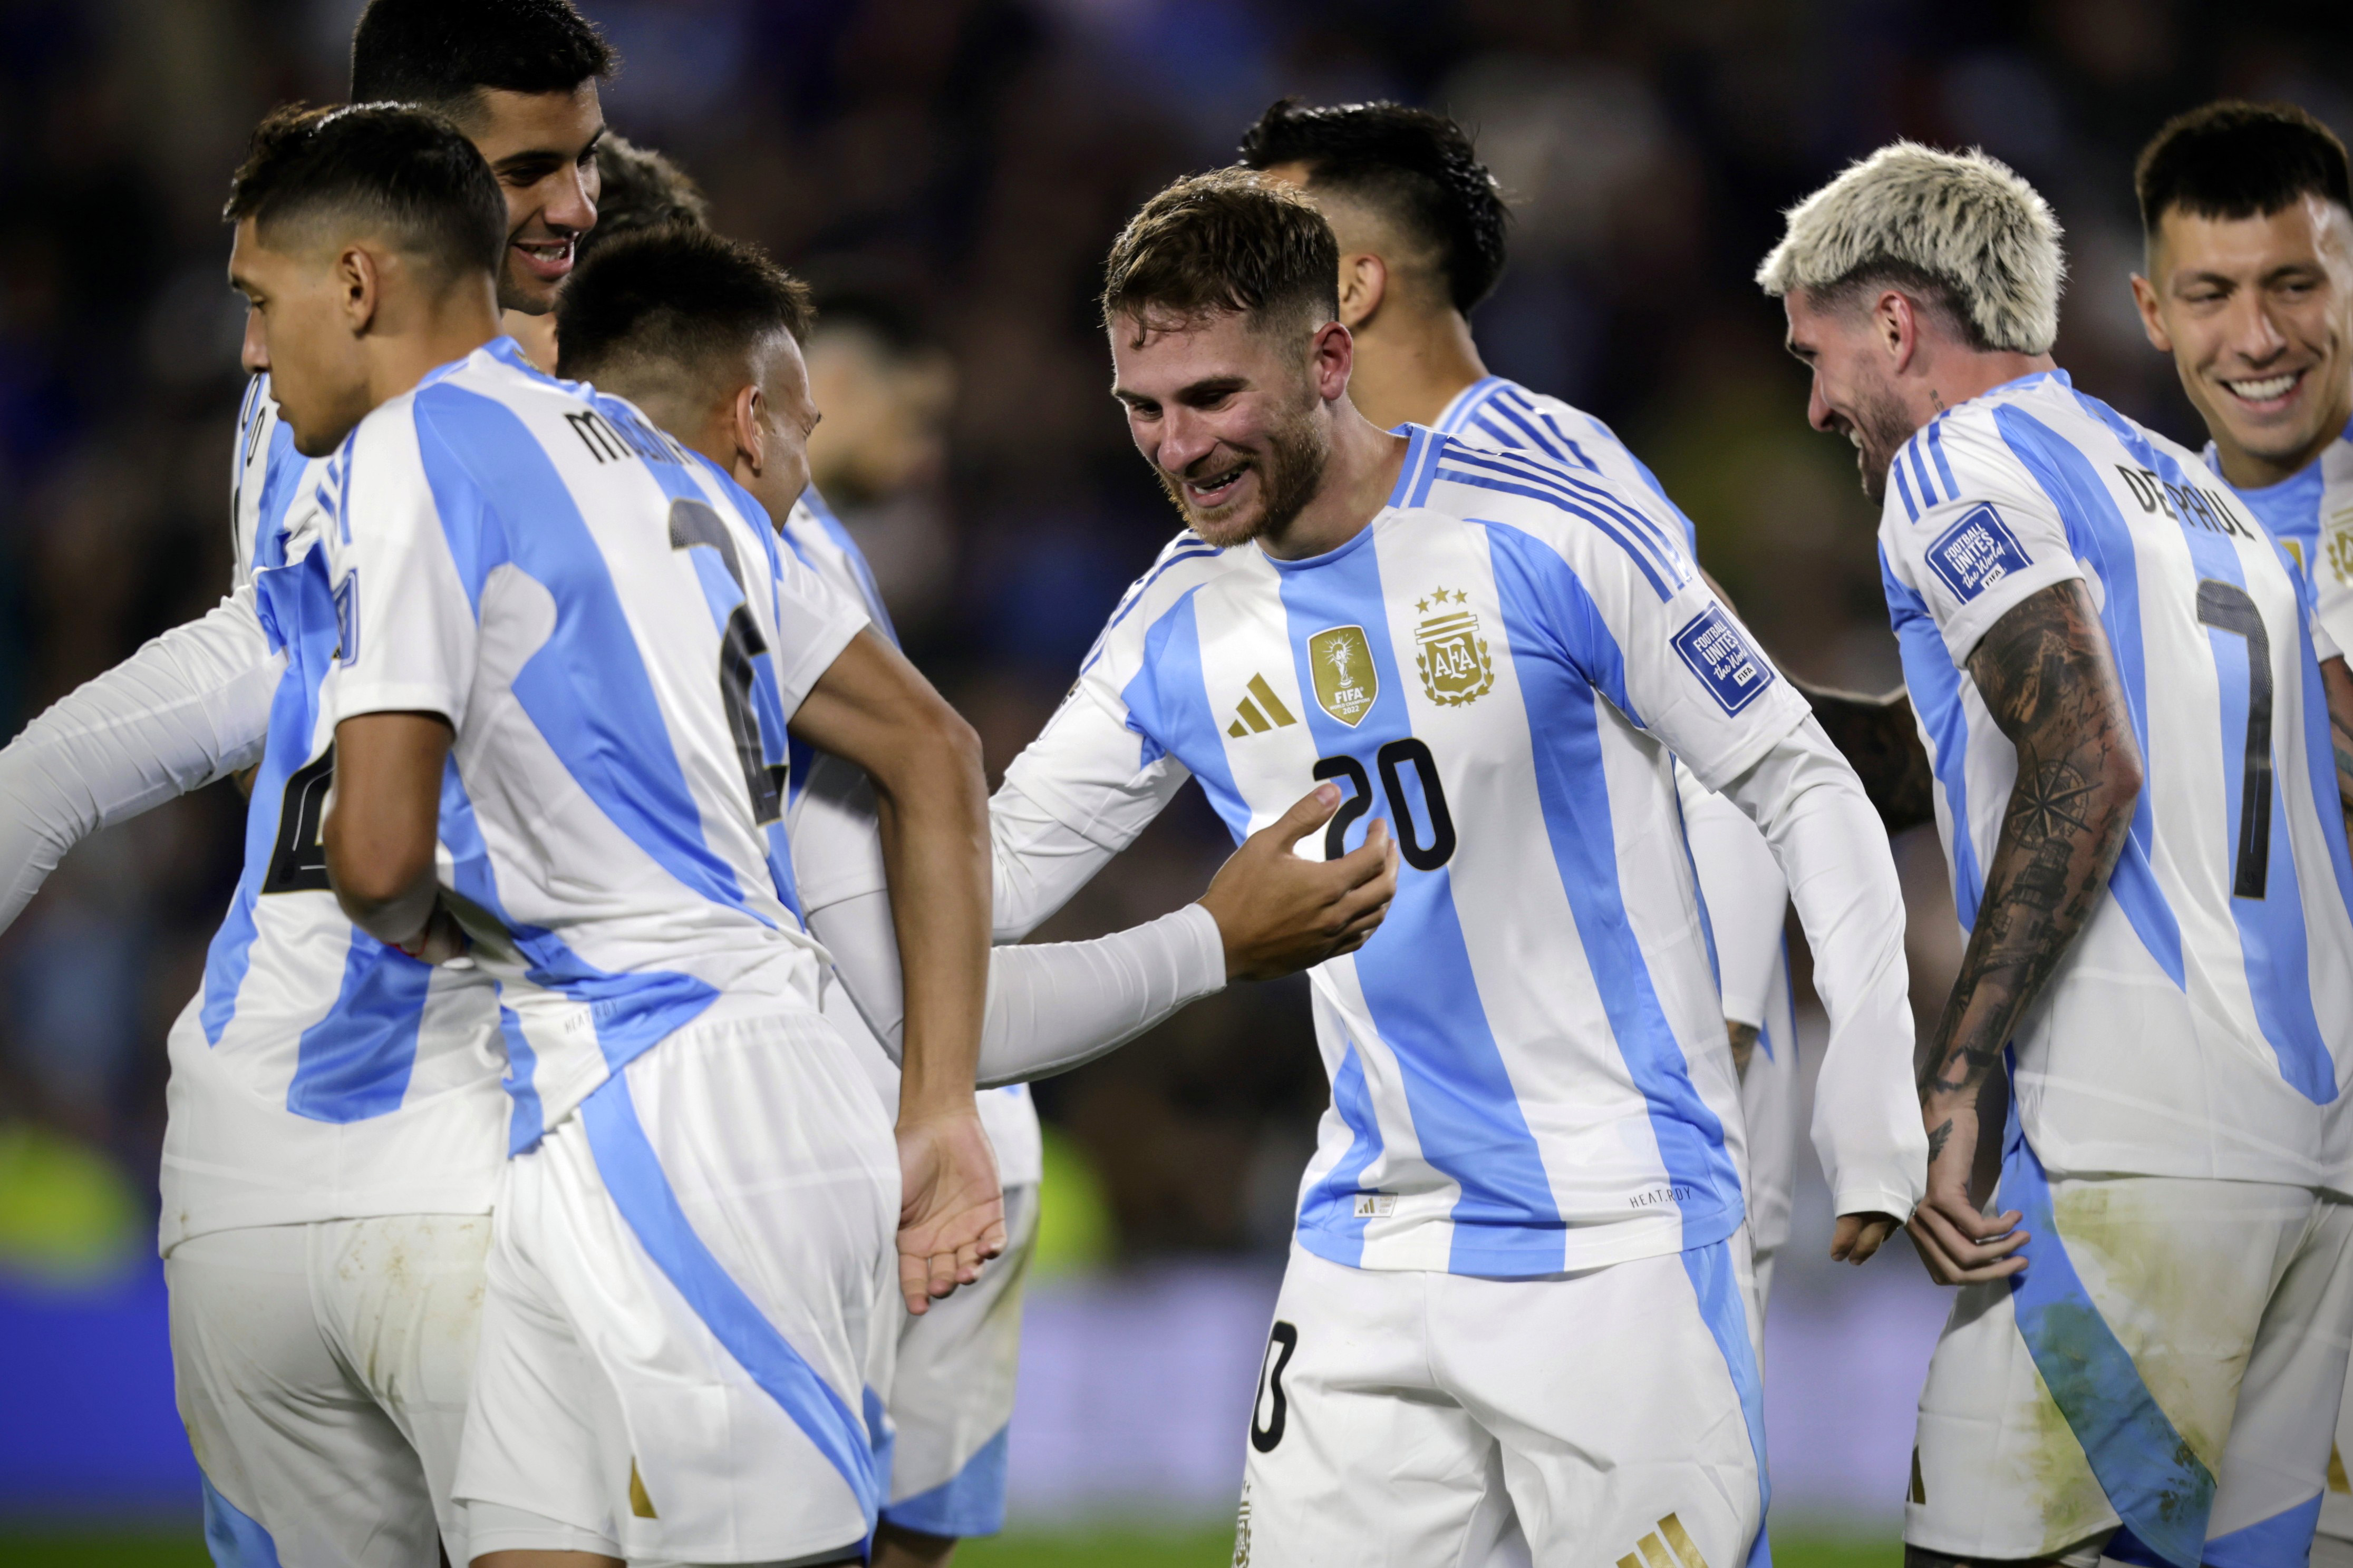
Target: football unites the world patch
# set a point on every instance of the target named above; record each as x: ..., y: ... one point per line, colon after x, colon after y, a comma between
x: 1976, y: 552
x: 1716, y: 652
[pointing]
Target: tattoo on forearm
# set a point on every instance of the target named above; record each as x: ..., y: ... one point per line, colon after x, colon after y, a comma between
x: 1882, y: 744
x: 1939, y: 1138
x: 2047, y: 679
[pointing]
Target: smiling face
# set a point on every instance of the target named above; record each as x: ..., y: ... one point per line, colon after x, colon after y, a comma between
x: 542, y: 148
x: 299, y: 328
x: 787, y: 414
x: 2257, y: 313
x: 1852, y: 395
x: 1231, y: 416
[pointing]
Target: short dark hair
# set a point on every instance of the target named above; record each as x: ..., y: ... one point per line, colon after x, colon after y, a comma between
x: 671, y: 303
x: 1226, y: 240
x: 1417, y: 167
x: 442, y: 52
x: 2229, y: 159
x: 641, y: 190
x: 392, y: 169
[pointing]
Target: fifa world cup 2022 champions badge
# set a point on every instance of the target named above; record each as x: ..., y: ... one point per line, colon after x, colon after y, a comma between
x: 1451, y: 655
x: 1346, y: 684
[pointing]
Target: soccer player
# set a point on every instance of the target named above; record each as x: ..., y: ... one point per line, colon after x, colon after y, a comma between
x: 1421, y: 227
x: 703, y: 334
x: 1534, y: 1140
x: 2247, y: 212
x: 336, y: 1125
x: 2116, y: 684
x: 637, y: 188
x: 551, y: 654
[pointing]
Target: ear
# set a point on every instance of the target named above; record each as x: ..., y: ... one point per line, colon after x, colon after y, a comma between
x: 1331, y: 355
x: 2151, y: 323
x: 359, y: 287
x: 1896, y: 326
x: 748, y: 423
x: 1364, y: 284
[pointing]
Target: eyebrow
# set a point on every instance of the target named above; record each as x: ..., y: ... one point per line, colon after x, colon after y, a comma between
x: 532, y: 157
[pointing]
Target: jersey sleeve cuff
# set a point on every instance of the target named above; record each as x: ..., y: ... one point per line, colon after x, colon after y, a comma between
x: 1875, y: 1197
x: 1970, y: 623
x: 793, y: 682
x: 353, y: 702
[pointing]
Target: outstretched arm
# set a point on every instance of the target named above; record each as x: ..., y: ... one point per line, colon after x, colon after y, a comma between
x: 873, y: 709
x: 190, y: 707
x: 2049, y: 681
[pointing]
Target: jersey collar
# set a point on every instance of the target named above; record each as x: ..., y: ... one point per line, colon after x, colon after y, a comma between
x: 1466, y: 403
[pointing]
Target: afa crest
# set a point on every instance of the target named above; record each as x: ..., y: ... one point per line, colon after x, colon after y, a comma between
x: 2337, y: 543
x: 1346, y: 684
x: 1451, y: 654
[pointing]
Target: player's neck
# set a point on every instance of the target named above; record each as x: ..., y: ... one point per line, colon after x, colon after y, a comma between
x: 2248, y: 470
x: 1951, y: 378
x: 428, y: 335
x: 1359, y: 473
x: 1411, y: 365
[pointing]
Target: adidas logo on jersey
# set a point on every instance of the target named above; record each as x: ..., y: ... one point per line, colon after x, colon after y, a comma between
x: 1669, y: 1546
x: 1260, y: 711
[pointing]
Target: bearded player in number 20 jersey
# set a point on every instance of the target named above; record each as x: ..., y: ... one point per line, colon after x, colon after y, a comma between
x: 1422, y: 230
x: 1533, y: 1134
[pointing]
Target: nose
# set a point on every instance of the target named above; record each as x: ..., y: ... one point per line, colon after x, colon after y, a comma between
x: 2252, y: 334
x: 1185, y: 439
x: 1818, y: 408
x: 253, y: 353
x: 571, y: 206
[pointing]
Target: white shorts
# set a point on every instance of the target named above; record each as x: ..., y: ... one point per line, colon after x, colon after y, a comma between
x: 1405, y: 1417
x: 2170, y: 1362
x: 1771, y: 1107
x: 322, y: 1371
x: 951, y: 1393
x: 690, y: 1307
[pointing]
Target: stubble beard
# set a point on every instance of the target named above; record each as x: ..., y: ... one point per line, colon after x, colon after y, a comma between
x: 1290, y: 473
x: 1879, y: 430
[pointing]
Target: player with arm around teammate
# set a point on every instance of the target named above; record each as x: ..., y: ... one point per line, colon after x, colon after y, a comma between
x: 2115, y: 685
x: 693, y: 1245
x: 703, y: 335
x: 1533, y: 1134
x: 1422, y: 231
x: 2247, y: 212
x: 336, y: 1126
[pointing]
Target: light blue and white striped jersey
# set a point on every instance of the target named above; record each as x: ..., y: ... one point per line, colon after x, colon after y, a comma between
x: 610, y: 627
x: 2312, y: 514
x: 1527, y: 1059
x: 2201, y: 1024
x: 848, y: 861
x: 316, y: 1074
x: 1502, y: 414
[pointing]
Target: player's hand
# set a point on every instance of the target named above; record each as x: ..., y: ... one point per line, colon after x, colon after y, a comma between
x: 952, y: 1210
x: 1860, y: 1235
x: 1959, y: 1245
x: 442, y: 938
x: 1280, y: 913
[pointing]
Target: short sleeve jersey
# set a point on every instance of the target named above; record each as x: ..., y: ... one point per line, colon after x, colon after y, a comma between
x: 605, y: 619
x: 316, y: 1074
x: 2201, y: 1024
x: 1527, y: 1061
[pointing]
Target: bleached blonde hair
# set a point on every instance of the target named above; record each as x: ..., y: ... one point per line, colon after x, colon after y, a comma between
x: 1961, y: 224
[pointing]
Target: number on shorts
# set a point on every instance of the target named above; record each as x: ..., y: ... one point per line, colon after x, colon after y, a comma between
x: 1279, y: 1346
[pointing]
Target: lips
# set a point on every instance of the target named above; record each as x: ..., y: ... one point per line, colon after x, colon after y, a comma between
x: 549, y: 260
x: 2264, y: 393
x: 1214, y: 492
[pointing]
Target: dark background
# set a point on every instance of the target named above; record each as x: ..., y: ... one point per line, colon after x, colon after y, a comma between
x: 966, y: 163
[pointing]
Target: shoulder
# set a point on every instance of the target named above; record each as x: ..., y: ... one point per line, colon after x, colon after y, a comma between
x: 1591, y: 519
x: 1186, y: 564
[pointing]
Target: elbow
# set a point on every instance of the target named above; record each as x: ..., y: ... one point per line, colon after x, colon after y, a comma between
x: 372, y: 883
x: 938, y: 754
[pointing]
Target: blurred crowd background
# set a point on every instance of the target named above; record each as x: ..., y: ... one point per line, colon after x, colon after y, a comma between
x: 949, y: 174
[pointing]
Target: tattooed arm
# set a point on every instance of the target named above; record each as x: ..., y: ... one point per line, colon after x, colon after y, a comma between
x: 1880, y: 738
x: 2047, y: 679
x: 2338, y: 682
